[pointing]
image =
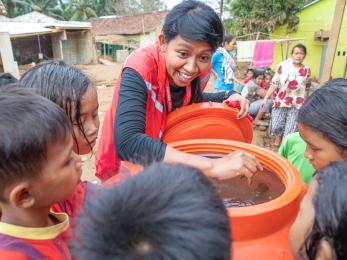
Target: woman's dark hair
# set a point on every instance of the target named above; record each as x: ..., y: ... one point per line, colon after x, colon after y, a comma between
x: 300, y: 46
x: 257, y: 73
x: 63, y: 84
x: 325, y: 111
x: 194, y: 20
x: 330, y: 205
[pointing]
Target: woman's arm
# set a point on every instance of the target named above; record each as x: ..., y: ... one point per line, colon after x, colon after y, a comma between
x: 132, y: 144
x: 229, y: 166
x: 269, y: 92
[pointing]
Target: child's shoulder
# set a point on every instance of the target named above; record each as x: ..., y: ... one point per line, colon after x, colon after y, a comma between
x: 293, y: 138
x: 17, y: 242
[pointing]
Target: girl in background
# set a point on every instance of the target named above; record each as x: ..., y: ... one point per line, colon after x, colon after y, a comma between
x: 224, y: 66
x: 73, y: 91
x: 254, y: 93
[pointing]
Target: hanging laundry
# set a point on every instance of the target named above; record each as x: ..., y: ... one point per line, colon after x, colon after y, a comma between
x: 245, y: 50
x: 263, y: 53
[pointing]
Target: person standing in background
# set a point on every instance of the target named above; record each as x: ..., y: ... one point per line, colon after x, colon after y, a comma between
x: 224, y: 66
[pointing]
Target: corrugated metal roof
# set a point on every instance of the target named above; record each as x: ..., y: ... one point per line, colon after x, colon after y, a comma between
x: 34, y: 17
x: 37, y: 23
x: 23, y: 29
x: 4, y: 18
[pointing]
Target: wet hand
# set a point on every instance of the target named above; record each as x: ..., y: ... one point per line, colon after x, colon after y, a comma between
x: 244, y: 104
x: 235, y: 164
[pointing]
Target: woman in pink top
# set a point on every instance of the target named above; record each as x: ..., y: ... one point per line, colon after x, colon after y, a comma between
x: 291, y: 80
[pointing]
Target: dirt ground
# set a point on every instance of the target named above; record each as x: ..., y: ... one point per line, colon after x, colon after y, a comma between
x: 104, y: 78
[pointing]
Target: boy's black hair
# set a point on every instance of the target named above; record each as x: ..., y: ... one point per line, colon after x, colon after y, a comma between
x: 330, y: 205
x: 257, y: 73
x: 6, y: 79
x: 300, y: 46
x: 29, y: 124
x: 250, y: 70
x: 194, y: 20
x: 269, y: 72
x: 61, y: 83
x: 165, y: 212
x: 325, y: 111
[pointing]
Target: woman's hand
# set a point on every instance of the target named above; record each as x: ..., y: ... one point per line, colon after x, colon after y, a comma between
x: 244, y: 104
x: 263, y: 104
x: 234, y: 164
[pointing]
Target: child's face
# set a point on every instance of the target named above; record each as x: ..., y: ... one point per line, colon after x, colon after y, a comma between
x: 60, y: 175
x: 230, y: 46
x: 249, y: 74
x: 268, y: 79
x: 258, y: 80
x: 319, y: 150
x: 90, y: 120
x: 303, y: 223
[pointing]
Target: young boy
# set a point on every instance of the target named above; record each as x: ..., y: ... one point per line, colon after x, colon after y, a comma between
x: 37, y: 169
x: 165, y: 212
x: 7, y: 78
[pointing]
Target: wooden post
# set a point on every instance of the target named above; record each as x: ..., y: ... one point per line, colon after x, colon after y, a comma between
x: 333, y: 39
x: 6, y: 55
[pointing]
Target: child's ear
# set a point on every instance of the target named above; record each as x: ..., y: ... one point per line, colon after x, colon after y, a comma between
x: 344, y: 152
x: 325, y: 251
x: 20, y: 196
x: 162, y: 42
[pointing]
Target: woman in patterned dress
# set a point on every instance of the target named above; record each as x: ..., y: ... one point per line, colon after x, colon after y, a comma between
x: 291, y: 81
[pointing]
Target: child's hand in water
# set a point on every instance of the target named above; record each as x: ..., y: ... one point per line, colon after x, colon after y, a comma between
x: 235, y: 164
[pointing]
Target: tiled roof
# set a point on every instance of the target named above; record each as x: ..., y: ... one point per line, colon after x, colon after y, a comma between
x: 127, y: 25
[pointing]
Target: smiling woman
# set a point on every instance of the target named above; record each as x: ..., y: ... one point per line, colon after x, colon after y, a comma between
x: 159, y: 79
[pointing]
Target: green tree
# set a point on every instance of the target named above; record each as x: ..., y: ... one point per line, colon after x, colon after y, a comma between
x: 126, y: 7
x: 81, y: 10
x: 251, y: 16
x: 14, y: 9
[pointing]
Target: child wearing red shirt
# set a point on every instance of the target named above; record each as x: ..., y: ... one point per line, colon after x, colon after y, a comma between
x: 38, y: 168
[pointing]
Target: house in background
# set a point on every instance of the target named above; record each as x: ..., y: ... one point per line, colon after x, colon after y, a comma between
x: 314, y: 27
x: 32, y: 37
x: 126, y: 33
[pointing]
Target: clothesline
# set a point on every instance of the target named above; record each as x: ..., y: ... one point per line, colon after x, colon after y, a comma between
x: 260, y: 52
x: 271, y: 35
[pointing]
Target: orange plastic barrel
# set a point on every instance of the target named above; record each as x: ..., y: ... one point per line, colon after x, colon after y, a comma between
x: 260, y: 231
x: 207, y: 120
